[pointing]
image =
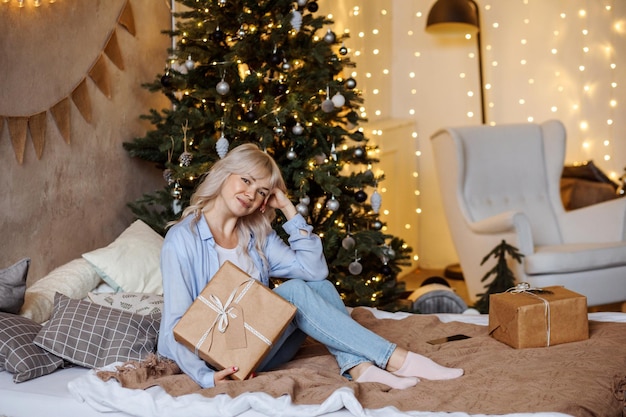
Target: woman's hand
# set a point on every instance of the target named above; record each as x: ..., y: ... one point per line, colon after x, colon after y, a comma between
x: 278, y: 200
x: 220, y: 377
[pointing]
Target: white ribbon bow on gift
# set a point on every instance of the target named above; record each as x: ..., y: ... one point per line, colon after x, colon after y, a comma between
x: 525, y: 288
x: 224, y: 311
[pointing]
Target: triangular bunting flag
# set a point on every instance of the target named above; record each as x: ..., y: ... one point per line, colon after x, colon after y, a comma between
x: 112, y: 50
x: 127, y: 19
x: 100, y: 76
x: 61, y: 115
x: 18, y: 126
x: 80, y: 97
x: 37, y: 128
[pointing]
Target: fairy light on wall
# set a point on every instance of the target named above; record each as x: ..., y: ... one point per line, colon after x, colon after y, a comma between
x: 24, y: 3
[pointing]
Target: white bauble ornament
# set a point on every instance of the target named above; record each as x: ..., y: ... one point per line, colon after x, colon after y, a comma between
x: 332, y: 204
x: 221, y: 146
x: 348, y: 242
x: 303, y: 209
x: 358, y: 152
x: 291, y: 154
x: 355, y: 268
x: 222, y: 88
x: 320, y: 158
x: 377, y: 225
x: 189, y: 63
x: 376, y: 200
x: 302, y: 3
x: 338, y: 100
x: 296, y: 20
x: 297, y: 129
x: 305, y: 199
x: 328, y: 106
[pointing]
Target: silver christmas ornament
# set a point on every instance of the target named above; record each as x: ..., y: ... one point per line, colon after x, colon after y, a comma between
x: 332, y: 204
x: 177, y: 191
x: 355, y: 268
x: 279, y: 130
x: 297, y: 129
x: 329, y: 37
x: 296, y: 20
x: 189, y: 63
x: 343, y: 50
x: 328, y: 106
x: 302, y: 209
x: 291, y: 154
x: 168, y: 176
x: 376, y: 200
x: 221, y: 146
x: 222, y: 88
x: 286, y: 65
x: 338, y: 100
x: 377, y: 225
x: 320, y: 158
x: 350, y: 83
x: 358, y: 152
x: 348, y: 242
x: 305, y: 199
x: 302, y: 3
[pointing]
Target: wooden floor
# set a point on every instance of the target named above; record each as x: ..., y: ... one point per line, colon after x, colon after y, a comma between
x: 415, y: 279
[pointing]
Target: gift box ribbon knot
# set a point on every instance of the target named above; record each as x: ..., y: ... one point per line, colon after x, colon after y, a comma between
x: 525, y: 288
x: 224, y: 311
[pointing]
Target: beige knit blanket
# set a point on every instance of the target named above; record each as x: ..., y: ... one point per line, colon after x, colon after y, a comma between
x: 586, y: 378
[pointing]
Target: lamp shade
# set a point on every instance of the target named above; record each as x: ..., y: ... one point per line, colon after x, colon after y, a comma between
x: 453, y: 17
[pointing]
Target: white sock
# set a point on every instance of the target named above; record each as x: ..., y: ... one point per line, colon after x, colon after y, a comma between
x: 422, y: 367
x: 375, y: 374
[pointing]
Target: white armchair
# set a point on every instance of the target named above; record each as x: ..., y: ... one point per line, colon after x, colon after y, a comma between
x: 502, y: 183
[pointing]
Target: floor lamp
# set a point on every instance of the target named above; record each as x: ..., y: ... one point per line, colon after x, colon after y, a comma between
x: 459, y: 17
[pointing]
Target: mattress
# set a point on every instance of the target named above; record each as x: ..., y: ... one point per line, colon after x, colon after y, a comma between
x: 78, y: 392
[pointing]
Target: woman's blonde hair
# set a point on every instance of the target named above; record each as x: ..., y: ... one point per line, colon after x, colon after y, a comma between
x: 244, y: 159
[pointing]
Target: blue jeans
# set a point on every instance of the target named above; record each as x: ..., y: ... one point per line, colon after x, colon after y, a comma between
x: 323, y: 316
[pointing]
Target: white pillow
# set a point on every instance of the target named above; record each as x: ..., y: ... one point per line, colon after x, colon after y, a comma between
x: 132, y: 302
x: 132, y: 262
x: 74, y: 279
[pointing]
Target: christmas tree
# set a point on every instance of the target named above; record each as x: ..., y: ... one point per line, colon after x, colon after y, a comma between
x: 272, y: 72
x: 503, y: 277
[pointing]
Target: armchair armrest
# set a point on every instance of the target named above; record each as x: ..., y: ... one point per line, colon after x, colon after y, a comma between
x: 507, y: 222
x: 602, y: 222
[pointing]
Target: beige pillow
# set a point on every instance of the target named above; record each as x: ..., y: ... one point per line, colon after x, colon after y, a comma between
x: 132, y: 302
x: 132, y: 262
x: 74, y: 279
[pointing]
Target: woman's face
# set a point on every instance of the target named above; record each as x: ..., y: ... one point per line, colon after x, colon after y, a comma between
x: 245, y: 193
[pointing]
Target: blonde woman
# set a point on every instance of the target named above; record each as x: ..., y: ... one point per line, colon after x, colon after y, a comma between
x: 229, y: 218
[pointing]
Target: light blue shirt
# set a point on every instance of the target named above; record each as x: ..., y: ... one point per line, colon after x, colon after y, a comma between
x: 189, y: 261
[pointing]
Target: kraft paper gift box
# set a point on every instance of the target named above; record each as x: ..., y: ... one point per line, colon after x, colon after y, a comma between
x: 526, y: 318
x: 234, y: 321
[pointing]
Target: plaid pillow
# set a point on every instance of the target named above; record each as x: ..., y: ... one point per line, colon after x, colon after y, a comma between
x: 93, y: 336
x: 18, y: 354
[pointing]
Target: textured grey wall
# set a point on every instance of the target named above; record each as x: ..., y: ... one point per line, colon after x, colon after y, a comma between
x: 74, y: 198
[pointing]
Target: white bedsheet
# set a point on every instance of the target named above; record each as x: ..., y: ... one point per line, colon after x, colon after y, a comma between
x: 78, y: 392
